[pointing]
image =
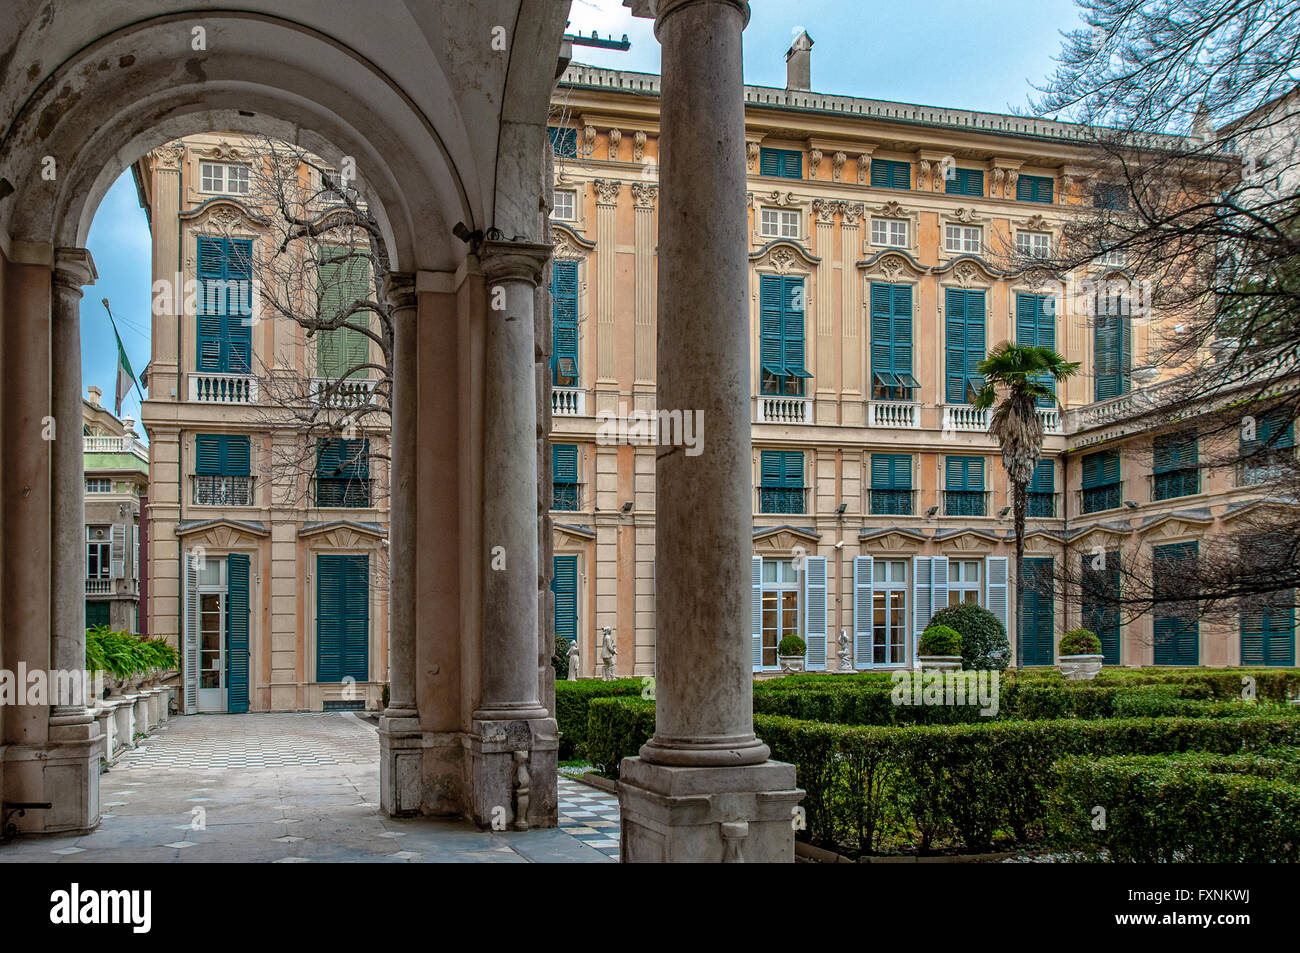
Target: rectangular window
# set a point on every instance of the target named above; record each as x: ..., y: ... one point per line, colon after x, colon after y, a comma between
x: 1176, y: 625
x: 781, y: 335
x: 1268, y: 619
x: 780, y: 607
x: 564, y: 476
x: 888, y: 174
x: 223, y: 178
x: 342, y: 617
x: 1111, y: 345
x: 778, y: 223
x: 964, y: 343
x: 965, y: 582
x: 343, y: 286
x: 1267, y: 447
x: 564, y: 323
x: 891, y: 342
x: 1113, y: 258
x: 964, y: 487
x: 565, y: 586
x: 1034, y: 188
x: 1101, y: 481
x: 564, y: 142
x: 890, y: 232
x: 222, y: 470
x: 225, y: 325
x: 342, y: 472
x: 99, y: 485
x: 963, y: 239
x: 1042, y: 490
x: 891, y: 484
x: 564, y: 205
x: 1034, y: 244
x: 1036, y: 327
x: 783, y: 163
x: 98, y: 552
x: 889, y: 612
x: 781, y: 489
x: 1174, y: 469
x: 1100, y: 601
x: 964, y: 182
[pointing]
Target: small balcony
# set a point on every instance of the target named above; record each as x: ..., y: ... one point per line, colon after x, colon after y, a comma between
x: 1051, y: 418
x: 97, y: 586
x: 966, y: 502
x: 894, y: 414
x: 214, y: 490
x: 1042, y: 506
x: 892, y: 502
x: 223, y: 388
x: 781, y: 499
x: 568, y: 402
x: 773, y: 409
x: 342, y: 492
x: 1097, y: 499
x: 345, y: 394
x: 965, y: 418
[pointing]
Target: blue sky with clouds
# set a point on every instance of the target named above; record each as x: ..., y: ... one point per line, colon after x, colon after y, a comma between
x: 972, y: 54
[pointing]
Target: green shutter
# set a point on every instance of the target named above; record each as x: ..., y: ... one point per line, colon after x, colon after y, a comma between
x: 1037, y: 641
x: 237, y: 647
x: 1034, y: 188
x: 342, y: 617
x: 564, y: 320
x: 207, y: 453
x: 891, y: 334
x: 1044, y: 479
x: 964, y: 341
x: 1100, y: 602
x: 564, y: 463
x: 1176, y: 625
x: 1268, y: 631
x: 771, y: 324
x: 96, y: 614
x: 565, y: 586
x: 564, y: 142
x: 222, y: 454
x: 965, y: 182
x: 783, y: 163
x: 342, y: 281
x: 964, y: 474
x: 889, y: 174
x: 792, y: 322
x: 1036, y: 327
x: 224, y: 329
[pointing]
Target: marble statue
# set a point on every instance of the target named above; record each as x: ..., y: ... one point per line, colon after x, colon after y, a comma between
x: 574, y: 653
x: 607, y: 653
x: 845, y: 651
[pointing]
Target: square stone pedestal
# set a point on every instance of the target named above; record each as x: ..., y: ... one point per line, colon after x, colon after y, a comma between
x: 401, y: 756
x: 495, y: 778
x: 741, y: 814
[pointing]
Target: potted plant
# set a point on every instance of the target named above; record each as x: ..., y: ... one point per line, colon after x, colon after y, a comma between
x: 940, y: 649
x: 1080, y: 656
x: 790, y: 653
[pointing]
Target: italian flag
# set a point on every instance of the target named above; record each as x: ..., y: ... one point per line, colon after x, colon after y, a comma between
x: 125, y: 376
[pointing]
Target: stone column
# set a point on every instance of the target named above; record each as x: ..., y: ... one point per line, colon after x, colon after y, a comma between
x: 703, y: 788
x: 510, y: 717
x: 72, y: 764
x: 400, y: 788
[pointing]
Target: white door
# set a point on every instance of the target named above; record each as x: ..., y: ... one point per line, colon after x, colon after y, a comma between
x: 212, y: 636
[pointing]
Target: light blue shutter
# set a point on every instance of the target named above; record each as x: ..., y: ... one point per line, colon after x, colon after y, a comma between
x: 922, y: 594
x: 862, y: 598
x: 190, y: 702
x: 814, y: 594
x: 995, y: 575
x: 938, y: 586
x: 237, y: 647
x: 756, y: 611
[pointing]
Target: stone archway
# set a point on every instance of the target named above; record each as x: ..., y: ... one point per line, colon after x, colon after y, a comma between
x: 443, y: 131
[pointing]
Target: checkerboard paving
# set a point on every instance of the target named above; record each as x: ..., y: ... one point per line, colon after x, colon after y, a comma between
x: 590, y: 815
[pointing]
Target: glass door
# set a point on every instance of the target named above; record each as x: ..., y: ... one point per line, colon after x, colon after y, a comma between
x: 212, y: 636
x: 780, y: 606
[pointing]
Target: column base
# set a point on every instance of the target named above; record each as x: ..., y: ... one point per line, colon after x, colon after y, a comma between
x: 64, y: 772
x: 401, y: 757
x: 674, y: 814
x: 498, y: 798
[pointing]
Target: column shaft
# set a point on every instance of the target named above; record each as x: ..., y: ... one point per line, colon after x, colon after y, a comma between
x: 402, y: 518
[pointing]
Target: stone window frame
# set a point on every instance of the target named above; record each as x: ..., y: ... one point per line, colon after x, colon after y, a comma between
x: 797, y: 212
x: 896, y: 210
x: 555, y: 206
x: 225, y: 176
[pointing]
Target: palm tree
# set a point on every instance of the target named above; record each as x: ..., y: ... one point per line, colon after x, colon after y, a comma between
x: 1025, y: 375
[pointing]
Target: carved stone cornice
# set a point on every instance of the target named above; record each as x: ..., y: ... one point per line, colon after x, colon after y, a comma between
x: 1035, y: 223
x: 568, y: 245
x: 785, y: 256
x: 223, y: 151
x: 644, y: 194
x: 776, y: 198
x: 751, y: 154
x: 966, y: 216
x: 588, y: 140
x: 74, y: 268
x: 606, y: 191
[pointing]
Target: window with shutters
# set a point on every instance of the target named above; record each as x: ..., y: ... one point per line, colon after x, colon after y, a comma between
x: 1111, y: 345
x: 1267, y: 447
x: 1036, y: 327
x: 889, y: 174
x: 889, y: 612
x: 564, y: 142
x: 343, y: 472
x: 97, y: 613
x: 1042, y: 490
x: 99, y: 485
x: 342, y: 289
x: 1102, y: 488
x: 781, y: 335
x: 564, y: 323
x: 891, y: 342
x: 780, y: 607
x: 223, y: 178
x: 782, y: 163
x: 963, y: 344
x: 1174, y: 468
x: 964, y: 487
x: 890, y: 232
x: 1034, y: 188
x: 98, y: 552
x: 564, y: 583
x: 342, y: 617
x: 964, y: 182
x: 1100, y: 595
x: 965, y: 582
x: 222, y: 470
x: 963, y: 239
x: 891, y: 484
x: 1267, y: 619
x: 565, y: 492
x: 1110, y: 196
x: 564, y: 205
x: 1038, y: 636
x: 1034, y: 244
x: 778, y: 223
x: 225, y: 305
x: 1176, y: 625
x: 781, y: 489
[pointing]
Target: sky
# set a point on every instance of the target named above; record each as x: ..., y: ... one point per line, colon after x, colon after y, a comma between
x: 971, y: 54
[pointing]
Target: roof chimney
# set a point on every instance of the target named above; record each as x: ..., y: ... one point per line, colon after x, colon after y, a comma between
x: 798, y: 62
x: 95, y: 395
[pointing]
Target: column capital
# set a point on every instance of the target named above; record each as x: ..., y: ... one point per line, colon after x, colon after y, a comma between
x: 74, y: 268
x: 399, y: 290
x: 514, y: 261
x: 658, y: 10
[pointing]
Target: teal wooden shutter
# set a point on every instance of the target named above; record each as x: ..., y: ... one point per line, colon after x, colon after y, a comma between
x: 882, y: 333
x: 891, y: 484
x: 211, y: 269
x: 224, y: 332
x: 784, y: 163
x: 756, y: 611
x: 1042, y: 490
x: 237, y: 647
x: 771, y: 328
x: 1037, y: 642
x: 238, y: 317
x: 1034, y: 188
x: 237, y: 458
x: 564, y: 476
x: 207, y: 453
x: 889, y: 174
x: 1112, y: 347
x: 342, y: 617
x: 964, y: 342
x: 1100, y: 602
x: 356, y: 633
x: 862, y: 610
x: 974, y: 337
x: 1176, y: 625
x: 564, y: 320
x: 792, y: 325
x: 1036, y: 327
x: 965, y: 182
x: 814, y: 612
x: 1174, y: 465
x: 222, y: 454
x: 565, y: 586
x: 564, y: 142
x: 1268, y: 631
x: 964, y: 474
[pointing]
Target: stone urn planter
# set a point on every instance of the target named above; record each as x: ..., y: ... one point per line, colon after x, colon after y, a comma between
x: 791, y: 654
x: 939, y: 663
x: 790, y: 664
x: 1080, y: 668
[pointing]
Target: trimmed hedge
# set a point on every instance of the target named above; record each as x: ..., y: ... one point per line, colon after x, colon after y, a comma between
x: 1200, y: 808
x: 616, y: 729
x: 571, y: 700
